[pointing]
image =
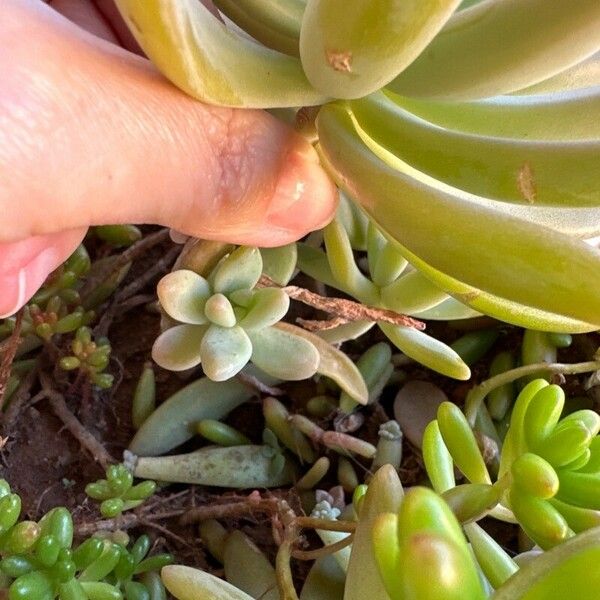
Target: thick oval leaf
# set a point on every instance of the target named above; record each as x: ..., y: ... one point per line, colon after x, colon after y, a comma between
x: 186, y: 583
x: 412, y: 293
x: 172, y: 423
x: 427, y: 350
x: 240, y: 270
x: 274, y: 23
x: 279, y: 263
x: 224, y: 352
x: 178, y: 348
x: 499, y: 46
x: 333, y: 364
x: 183, y: 294
x: 568, y: 115
x: 585, y: 74
x: 555, y: 172
x: 350, y: 48
x: 516, y: 259
x: 248, y: 569
x: 200, y: 55
x: 283, y: 355
x: 267, y: 307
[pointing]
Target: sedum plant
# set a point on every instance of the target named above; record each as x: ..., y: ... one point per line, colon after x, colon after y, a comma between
x: 548, y: 469
x: 462, y: 133
x: 227, y: 322
x: 40, y: 562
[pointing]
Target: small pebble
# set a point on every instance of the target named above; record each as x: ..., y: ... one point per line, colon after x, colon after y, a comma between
x: 415, y: 406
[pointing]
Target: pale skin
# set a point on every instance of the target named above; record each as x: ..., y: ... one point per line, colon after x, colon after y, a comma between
x: 91, y: 134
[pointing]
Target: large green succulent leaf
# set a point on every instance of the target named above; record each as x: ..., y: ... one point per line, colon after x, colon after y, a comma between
x: 567, y: 115
x: 350, y: 48
x: 224, y: 351
x: 186, y: 583
x: 562, y: 173
x: 213, y: 63
x: 567, y: 571
x: 178, y: 348
x: 412, y: 293
x: 585, y: 74
x: 499, y: 46
x: 183, y: 294
x: 281, y: 354
x: 449, y: 310
x: 267, y: 307
x: 274, y: 23
x: 486, y: 249
x: 238, y: 271
x: 384, y: 495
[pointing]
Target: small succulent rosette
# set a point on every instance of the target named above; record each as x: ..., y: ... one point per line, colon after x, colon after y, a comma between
x: 225, y: 321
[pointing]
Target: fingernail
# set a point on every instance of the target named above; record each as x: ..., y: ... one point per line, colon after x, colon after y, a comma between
x: 304, y: 198
x: 17, y: 289
x: 12, y: 293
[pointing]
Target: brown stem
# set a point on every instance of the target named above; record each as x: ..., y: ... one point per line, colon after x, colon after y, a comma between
x: 324, y: 550
x: 283, y: 571
x: 72, y: 423
x: 236, y: 509
x: 349, y: 310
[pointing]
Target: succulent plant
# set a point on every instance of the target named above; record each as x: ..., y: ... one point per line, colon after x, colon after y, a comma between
x: 227, y: 322
x: 90, y: 357
x: 39, y: 562
x: 117, y: 492
x: 548, y: 468
x: 392, y: 284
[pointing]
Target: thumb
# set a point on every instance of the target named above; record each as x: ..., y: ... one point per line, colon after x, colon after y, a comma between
x: 92, y: 134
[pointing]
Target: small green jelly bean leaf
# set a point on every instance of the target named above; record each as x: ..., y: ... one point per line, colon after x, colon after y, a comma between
x: 535, y: 476
x: 461, y: 443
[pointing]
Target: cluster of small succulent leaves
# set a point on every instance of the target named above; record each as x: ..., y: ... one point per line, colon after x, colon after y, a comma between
x: 56, y: 308
x: 117, y: 493
x: 456, y: 148
x: 90, y: 357
x: 547, y: 473
x: 40, y: 562
x: 391, y: 283
x: 406, y: 544
x: 228, y: 321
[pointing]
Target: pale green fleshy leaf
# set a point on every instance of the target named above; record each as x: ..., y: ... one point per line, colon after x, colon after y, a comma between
x: 178, y: 348
x: 240, y: 270
x: 224, y: 352
x: 333, y: 363
x: 182, y: 295
x: 279, y: 263
x: 427, y: 350
x: 283, y: 355
x: 186, y: 583
x: 268, y: 306
x: 219, y: 311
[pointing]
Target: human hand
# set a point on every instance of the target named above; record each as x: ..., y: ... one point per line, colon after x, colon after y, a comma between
x: 91, y: 134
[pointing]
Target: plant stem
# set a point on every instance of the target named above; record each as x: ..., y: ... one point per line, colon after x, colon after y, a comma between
x: 477, y: 395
